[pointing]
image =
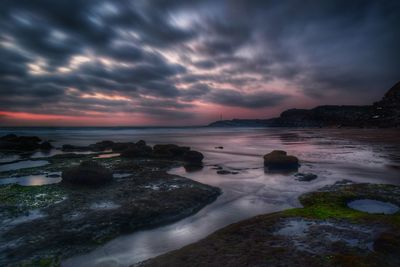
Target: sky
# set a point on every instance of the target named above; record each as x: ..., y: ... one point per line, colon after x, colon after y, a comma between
x: 180, y: 62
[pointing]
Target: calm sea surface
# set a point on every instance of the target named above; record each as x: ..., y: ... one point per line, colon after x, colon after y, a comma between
x: 370, y: 156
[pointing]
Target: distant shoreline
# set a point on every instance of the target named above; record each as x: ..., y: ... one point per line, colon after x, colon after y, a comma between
x: 382, y: 114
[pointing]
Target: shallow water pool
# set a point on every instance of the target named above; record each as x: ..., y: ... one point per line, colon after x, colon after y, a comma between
x: 23, y: 165
x: 30, y: 180
x: 373, y: 206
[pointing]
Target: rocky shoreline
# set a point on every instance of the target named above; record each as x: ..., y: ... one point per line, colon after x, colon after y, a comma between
x: 382, y: 114
x: 42, y: 225
x: 325, y: 232
x: 46, y: 224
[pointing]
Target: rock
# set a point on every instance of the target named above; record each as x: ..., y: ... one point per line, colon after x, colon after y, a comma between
x: 20, y: 143
x: 137, y: 151
x: 119, y: 147
x: 305, y: 177
x: 68, y: 156
x: 388, y: 243
x: 141, y: 143
x: 9, y: 137
x: 279, y: 160
x: 193, y: 167
x: 46, y: 146
x: 87, y: 173
x: 101, y: 146
x: 170, y: 151
x: 193, y: 157
x: 71, y: 148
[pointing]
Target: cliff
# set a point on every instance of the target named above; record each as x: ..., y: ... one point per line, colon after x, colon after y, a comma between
x: 384, y: 113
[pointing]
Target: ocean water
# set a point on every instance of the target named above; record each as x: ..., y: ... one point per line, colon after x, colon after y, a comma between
x: 360, y: 155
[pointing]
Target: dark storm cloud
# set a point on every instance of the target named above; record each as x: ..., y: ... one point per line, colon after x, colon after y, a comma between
x: 160, y: 57
x: 234, y: 98
x: 205, y: 64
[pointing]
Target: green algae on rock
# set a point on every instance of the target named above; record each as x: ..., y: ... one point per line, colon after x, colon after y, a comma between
x: 49, y: 223
x: 325, y: 232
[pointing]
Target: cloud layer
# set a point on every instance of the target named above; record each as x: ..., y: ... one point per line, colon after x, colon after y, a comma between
x: 185, y: 62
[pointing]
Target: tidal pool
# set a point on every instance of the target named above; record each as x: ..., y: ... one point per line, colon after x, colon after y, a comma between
x: 373, y: 206
x: 106, y: 156
x: 30, y: 180
x: 23, y: 165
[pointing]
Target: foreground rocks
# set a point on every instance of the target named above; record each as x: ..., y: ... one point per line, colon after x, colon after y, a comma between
x: 323, y: 233
x: 50, y: 223
x: 141, y: 150
x: 384, y: 114
x: 279, y: 160
x: 12, y: 142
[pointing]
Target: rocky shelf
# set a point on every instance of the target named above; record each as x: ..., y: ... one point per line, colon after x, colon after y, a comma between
x: 325, y: 232
x: 42, y: 225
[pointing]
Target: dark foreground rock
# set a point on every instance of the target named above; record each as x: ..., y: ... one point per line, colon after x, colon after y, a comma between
x: 87, y: 173
x: 323, y: 233
x: 279, y: 160
x: 384, y: 114
x: 46, y: 224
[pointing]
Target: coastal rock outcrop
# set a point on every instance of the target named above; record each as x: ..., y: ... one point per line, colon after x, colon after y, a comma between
x: 193, y: 157
x: 279, y: 160
x: 46, y: 146
x: 19, y: 143
x: 87, y: 173
x: 137, y: 151
x: 383, y: 114
x: 102, y: 145
x: 170, y: 151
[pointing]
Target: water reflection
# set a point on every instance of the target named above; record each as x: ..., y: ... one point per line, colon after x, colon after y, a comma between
x: 23, y: 165
x: 31, y: 180
x: 108, y: 155
x: 373, y: 206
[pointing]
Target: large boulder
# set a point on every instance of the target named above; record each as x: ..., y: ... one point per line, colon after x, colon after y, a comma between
x: 46, y: 146
x: 137, y: 151
x: 87, y: 173
x: 119, y: 147
x: 101, y: 146
x: 279, y: 160
x: 170, y: 151
x: 193, y: 157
